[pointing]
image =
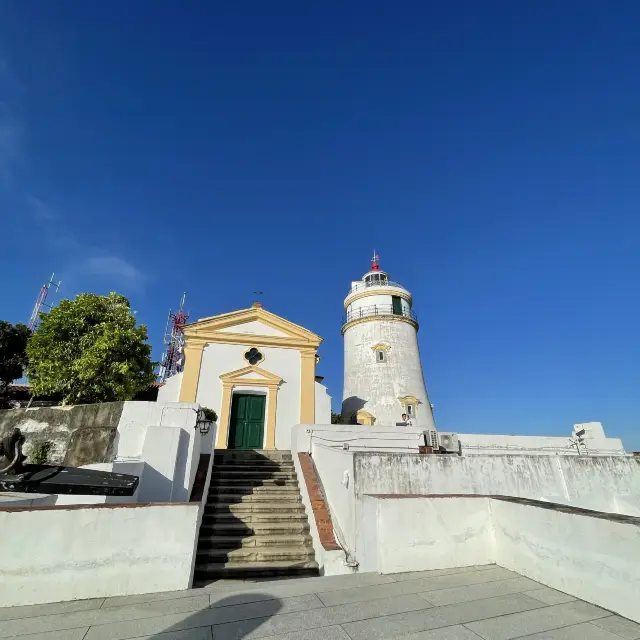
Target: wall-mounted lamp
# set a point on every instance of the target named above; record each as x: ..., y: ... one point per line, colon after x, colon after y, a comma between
x: 204, y: 420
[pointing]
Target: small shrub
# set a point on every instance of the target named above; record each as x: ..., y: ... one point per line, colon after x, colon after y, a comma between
x: 209, y: 414
x: 40, y: 452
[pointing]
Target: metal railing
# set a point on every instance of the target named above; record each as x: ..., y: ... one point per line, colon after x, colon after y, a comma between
x: 361, y: 286
x: 377, y: 310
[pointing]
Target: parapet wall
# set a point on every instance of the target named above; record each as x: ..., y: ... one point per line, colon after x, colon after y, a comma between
x: 599, y: 482
x: 58, y: 425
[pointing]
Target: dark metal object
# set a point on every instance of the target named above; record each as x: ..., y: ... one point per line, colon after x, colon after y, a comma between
x: 11, y: 456
x: 48, y: 479
x: 44, y: 478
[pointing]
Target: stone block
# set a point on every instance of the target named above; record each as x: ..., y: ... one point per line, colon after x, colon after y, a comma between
x: 530, y: 622
x: 396, y: 626
x: 89, y: 446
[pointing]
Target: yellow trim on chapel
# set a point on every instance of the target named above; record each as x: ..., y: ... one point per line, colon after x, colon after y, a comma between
x: 207, y: 331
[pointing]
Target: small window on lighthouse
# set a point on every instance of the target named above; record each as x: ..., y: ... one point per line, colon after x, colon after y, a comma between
x: 381, y: 356
x: 410, y: 410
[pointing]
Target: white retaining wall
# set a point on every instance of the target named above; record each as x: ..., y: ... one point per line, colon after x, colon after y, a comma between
x: 55, y: 553
x: 588, y: 555
x: 158, y: 442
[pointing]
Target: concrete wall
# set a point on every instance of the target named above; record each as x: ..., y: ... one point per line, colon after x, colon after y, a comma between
x: 170, y: 390
x: 322, y: 404
x: 603, y: 483
x: 598, y: 482
x: 58, y: 553
x: 593, y: 558
x: 337, y: 484
x: 476, y: 443
x: 360, y: 438
x: 591, y: 555
x: 406, y: 534
x: 156, y: 441
x: 58, y: 424
x: 163, y: 436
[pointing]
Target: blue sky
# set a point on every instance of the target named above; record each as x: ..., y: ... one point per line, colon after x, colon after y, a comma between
x: 489, y: 151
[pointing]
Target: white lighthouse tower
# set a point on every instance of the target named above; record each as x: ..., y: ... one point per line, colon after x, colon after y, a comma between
x: 382, y: 371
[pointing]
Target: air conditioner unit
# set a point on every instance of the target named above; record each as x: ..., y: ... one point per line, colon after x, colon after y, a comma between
x: 431, y: 439
x: 449, y: 442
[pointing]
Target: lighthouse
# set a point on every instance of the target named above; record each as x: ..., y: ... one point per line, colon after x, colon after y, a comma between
x: 383, y: 376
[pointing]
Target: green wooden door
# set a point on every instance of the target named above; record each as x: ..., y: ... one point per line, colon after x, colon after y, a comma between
x: 397, y: 305
x: 246, y: 429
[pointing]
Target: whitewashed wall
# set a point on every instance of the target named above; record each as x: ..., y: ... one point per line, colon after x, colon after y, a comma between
x: 376, y: 386
x: 95, y: 551
x: 596, y: 559
x: 218, y: 359
x: 170, y: 390
x: 485, y: 444
x: 337, y: 483
x: 164, y: 437
x: 606, y: 483
x: 589, y: 482
x: 322, y: 404
x: 159, y: 443
x: 415, y: 534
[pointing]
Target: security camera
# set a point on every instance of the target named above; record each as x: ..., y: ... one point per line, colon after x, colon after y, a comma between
x: 580, y: 433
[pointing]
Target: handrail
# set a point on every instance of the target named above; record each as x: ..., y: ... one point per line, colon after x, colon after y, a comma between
x: 377, y: 310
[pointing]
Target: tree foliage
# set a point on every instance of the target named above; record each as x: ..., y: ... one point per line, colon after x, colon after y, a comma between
x: 336, y: 418
x: 90, y: 350
x: 13, y: 357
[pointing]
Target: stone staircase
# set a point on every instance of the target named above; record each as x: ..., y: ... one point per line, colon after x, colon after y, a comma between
x: 254, y: 524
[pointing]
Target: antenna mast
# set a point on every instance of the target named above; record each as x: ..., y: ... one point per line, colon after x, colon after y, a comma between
x: 173, y: 358
x: 41, y: 302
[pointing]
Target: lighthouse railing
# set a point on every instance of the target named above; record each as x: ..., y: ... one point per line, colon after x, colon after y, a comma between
x: 378, y: 310
x: 360, y: 286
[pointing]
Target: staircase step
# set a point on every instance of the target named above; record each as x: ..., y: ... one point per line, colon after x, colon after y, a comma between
x: 246, y: 570
x: 252, y: 461
x: 254, y: 524
x: 250, y: 472
x: 249, y: 489
x: 285, y: 465
x: 260, y: 554
x: 260, y: 456
x: 253, y: 482
x: 290, y: 540
x: 254, y: 528
x: 250, y: 520
x: 237, y: 509
x: 273, y: 498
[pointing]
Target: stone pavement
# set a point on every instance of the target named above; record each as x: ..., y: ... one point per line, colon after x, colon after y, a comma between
x: 452, y: 604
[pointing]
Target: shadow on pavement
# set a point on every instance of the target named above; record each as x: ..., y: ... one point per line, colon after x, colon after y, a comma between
x: 233, y: 617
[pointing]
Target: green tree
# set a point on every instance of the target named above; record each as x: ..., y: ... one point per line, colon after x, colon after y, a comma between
x: 336, y: 418
x: 13, y: 357
x: 90, y: 350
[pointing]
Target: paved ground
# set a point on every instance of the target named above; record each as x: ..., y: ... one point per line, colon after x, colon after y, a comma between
x: 453, y: 604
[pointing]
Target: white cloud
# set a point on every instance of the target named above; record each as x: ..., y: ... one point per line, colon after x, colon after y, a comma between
x: 41, y: 212
x: 86, y: 259
x: 115, y: 267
